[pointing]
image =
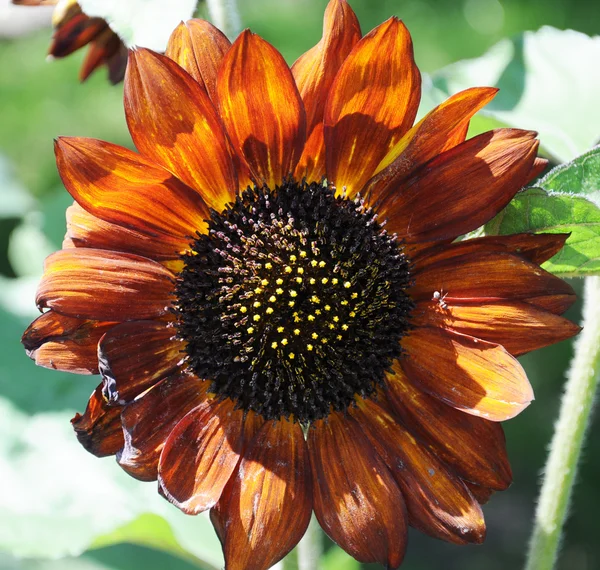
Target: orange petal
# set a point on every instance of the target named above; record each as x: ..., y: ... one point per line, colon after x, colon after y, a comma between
x: 200, y: 455
x: 124, y: 188
x: 357, y: 501
x: 484, y: 277
x: 470, y: 374
x: 149, y: 420
x: 373, y: 102
x: 99, y: 428
x: 199, y: 47
x: 437, y: 501
x: 314, y: 73
x: 64, y: 343
x: 262, y: 109
x: 136, y: 355
x: 518, y: 327
x: 462, y: 188
x: 475, y: 448
x: 85, y: 230
x: 428, y: 138
x: 173, y: 122
x: 268, y: 504
x: 103, y: 285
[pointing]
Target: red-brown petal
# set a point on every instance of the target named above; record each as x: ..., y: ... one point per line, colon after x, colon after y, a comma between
x: 101, y: 49
x: 437, y: 501
x: 519, y: 327
x: 539, y: 165
x: 482, y: 494
x: 475, y: 448
x: 314, y: 73
x: 74, y: 33
x: 428, y: 138
x: 478, y: 377
x: 134, y: 356
x: 373, y: 102
x: 356, y: 500
x: 86, y: 230
x: 462, y: 188
x: 268, y: 503
x: 103, y: 285
x: 199, y: 47
x: 200, y: 455
x: 173, y: 122
x: 124, y: 188
x: 149, y: 420
x: 261, y: 108
x: 99, y: 428
x: 64, y: 343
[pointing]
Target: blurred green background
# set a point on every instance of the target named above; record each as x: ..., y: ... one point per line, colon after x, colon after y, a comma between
x: 40, y: 101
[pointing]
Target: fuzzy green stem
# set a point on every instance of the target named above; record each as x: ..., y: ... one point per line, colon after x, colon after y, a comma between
x: 310, y: 548
x: 225, y: 15
x: 569, y: 436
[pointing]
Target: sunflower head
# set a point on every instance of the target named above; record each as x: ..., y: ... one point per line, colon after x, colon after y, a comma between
x: 276, y: 293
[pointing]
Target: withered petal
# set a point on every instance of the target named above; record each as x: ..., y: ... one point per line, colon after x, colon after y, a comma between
x: 356, y: 500
x: 65, y: 343
x: 173, y: 122
x: 200, y: 455
x: 475, y: 448
x: 103, y: 285
x: 470, y: 374
x: 99, y: 428
x: 199, y: 47
x: 438, y: 503
x: 101, y: 49
x: 372, y: 103
x: 71, y: 35
x: 267, y: 506
x: 149, y: 420
x: 262, y: 109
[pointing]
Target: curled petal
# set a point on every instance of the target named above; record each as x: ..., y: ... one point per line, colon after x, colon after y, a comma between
x: 475, y: 448
x: 268, y: 503
x: 373, y: 102
x: 262, y: 109
x: 356, y: 500
x: 472, y: 375
x: 64, y: 343
x: 103, y: 285
x: 173, y: 122
x: 200, y: 455
x: 199, y: 47
x: 149, y: 420
x: 437, y: 501
x: 99, y: 428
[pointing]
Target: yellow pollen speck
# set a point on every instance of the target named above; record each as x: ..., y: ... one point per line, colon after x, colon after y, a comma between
x: 309, y: 346
x: 280, y: 329
x: 269, y: 310
x: 331, y: 326
x: 250, y: 330
x: 344, y: 327
x: 293, y: 257
x: 336, y: 319
x: 354, y: 295
x: 315, y: 299
x: 317, y: 311
x: 339, y: 337
x: 279, y: 290
x: 264, y: 282
x: 296, y: 332
x: 293, y: 293
x: 298, y: 279
x: 327, y: 308
x: 284, y: 341
x: 258, y: 290
x: 256, y: 318
x: 324, y: 280
x: 256, y: 304
x: 344, y: 302
x: 279, y: 281
x: 288, y: 269
x: 272, y: 299
x: 311, y: 317
x: 268, y: 265
x: 313, y: 263
x: 314, y: 335
x: 274, y: 345
x: 292, y: 356
x: 291, y: 304
x: 300, y: 270
x: 352, y: 314
x: 312, y: 281
x: 324, y: 340
x: 302, y: 253
x: 347, y: 284
x: 243, y: 309
x: 321, y: 264
x: 335, y: 281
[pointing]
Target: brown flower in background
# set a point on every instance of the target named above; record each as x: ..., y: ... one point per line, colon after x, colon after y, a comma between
x: 74, y: 30
x: 274, y: 295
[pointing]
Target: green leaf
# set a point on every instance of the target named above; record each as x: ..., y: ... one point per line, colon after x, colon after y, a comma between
x: 548, y: 82
x: 146, y: 23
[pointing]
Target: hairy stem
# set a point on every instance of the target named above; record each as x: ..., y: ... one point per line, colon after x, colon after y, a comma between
x: 310, y: 548
x: 225, y: 15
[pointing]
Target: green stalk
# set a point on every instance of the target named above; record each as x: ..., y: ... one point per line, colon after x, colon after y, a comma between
x: 569, y: 436
x: 226, y: 16
x: 310, y: 548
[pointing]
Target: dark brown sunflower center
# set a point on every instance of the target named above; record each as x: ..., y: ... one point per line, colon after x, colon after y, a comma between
x: 294, y: 302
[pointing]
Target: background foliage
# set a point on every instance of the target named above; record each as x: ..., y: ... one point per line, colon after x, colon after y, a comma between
x: 56, y: 500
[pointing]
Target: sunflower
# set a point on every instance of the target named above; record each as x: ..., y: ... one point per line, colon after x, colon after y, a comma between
x: 73, y: 30
x: 274, y: 292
